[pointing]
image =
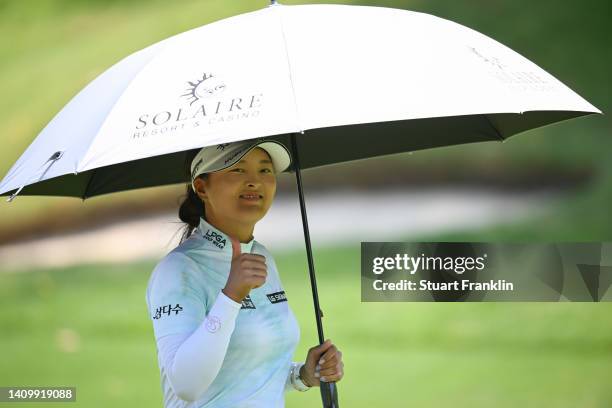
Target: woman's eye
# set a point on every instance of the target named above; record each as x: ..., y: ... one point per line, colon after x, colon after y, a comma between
x: 240, y: 170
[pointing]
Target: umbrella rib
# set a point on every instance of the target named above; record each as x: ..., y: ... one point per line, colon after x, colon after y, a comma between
x: 93, y: 171
x: 497, y: 132
x: 295, y: 104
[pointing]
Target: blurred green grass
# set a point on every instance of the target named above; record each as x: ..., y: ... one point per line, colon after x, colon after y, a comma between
x: 395, y: 354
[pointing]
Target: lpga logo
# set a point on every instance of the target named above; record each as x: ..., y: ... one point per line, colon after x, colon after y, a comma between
x: 215, y: 238
x: 204, y: 88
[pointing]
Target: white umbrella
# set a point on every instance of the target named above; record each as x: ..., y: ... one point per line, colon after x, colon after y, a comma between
x: 350, y: 81
x: 313, y: 69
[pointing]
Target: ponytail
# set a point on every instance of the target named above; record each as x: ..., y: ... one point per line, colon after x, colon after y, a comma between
x: 192, y: 207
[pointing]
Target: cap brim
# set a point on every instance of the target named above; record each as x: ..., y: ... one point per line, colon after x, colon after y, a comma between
x: 277, y: 151
x: 281, y: 159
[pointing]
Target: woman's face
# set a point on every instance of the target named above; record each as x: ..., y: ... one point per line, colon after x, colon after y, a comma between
x: 227, y: 193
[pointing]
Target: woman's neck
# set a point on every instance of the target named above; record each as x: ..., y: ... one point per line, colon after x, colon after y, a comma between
x: 243, y: 232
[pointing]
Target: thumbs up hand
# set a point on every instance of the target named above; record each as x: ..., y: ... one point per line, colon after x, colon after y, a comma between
x: 248, y: 271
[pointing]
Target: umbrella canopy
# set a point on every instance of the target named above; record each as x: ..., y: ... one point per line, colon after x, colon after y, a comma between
x: 367, y: 81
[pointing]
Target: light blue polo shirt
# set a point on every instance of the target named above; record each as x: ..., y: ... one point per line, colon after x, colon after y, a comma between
x: 181, y: 291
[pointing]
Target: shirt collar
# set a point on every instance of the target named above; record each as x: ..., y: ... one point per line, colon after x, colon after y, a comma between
x: 214, y: 238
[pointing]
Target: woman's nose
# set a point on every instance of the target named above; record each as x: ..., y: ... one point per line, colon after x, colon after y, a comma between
x: 254, y: 180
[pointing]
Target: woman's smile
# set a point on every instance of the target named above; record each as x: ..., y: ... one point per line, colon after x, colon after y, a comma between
x: 251, y: 197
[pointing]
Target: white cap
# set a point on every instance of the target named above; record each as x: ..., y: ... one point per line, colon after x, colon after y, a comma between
x: 221, y: 156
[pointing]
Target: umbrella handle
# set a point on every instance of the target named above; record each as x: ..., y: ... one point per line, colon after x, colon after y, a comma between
x: 329, y: 394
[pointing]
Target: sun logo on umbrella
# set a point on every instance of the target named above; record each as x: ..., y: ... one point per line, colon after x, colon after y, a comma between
x: 203, y: 88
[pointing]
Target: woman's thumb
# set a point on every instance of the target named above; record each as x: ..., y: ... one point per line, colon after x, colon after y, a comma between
x: 321, y: 348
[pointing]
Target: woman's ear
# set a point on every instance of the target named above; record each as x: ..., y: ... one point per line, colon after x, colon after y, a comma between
x: 200, y: 187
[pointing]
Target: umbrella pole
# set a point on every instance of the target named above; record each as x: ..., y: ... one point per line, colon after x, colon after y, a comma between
x: 329, y: 393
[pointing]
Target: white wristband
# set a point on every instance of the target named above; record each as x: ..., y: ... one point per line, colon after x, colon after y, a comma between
x: 296, y: 381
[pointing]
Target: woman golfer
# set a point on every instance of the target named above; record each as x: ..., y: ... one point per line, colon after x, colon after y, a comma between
x: 224, y: 330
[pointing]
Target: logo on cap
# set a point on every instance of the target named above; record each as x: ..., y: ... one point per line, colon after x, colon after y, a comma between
x: 196, y: 167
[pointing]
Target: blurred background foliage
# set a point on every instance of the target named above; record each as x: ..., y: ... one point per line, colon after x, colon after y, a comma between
x: 87, y: 325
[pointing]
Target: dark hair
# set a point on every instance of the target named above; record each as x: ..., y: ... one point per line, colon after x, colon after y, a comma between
x: 192, y: 208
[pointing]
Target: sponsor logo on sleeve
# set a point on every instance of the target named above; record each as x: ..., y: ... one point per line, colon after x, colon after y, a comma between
x: 277, y: 297
x: 167, y: 311
x: 247, y: 303
x: 212, y: 324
